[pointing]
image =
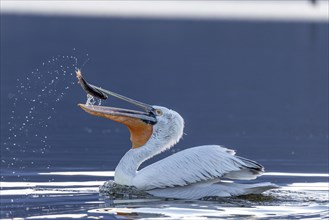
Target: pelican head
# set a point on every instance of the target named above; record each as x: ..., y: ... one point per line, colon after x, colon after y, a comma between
x: 155, y: 124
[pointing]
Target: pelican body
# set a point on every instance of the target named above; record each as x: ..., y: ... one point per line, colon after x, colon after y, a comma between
x: 193, y: 173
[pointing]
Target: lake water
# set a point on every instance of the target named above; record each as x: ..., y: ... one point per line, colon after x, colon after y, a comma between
x: 260, y: 88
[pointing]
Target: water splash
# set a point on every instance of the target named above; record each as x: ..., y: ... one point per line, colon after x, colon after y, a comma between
x: 34, y: 103
x: 91, y: 100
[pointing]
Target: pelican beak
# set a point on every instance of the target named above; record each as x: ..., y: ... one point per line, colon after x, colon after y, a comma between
x: 119, y: 114
x: 140, y: 124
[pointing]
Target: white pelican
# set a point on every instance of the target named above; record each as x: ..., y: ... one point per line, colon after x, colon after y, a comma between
x: 193, y: 173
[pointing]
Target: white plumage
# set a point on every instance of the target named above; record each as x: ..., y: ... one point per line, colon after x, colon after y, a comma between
x: 190, y: 174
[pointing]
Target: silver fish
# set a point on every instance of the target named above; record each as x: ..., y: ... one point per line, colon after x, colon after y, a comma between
x: 90, y: 89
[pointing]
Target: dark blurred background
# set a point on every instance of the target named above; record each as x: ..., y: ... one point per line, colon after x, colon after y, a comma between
x: 259, y: 87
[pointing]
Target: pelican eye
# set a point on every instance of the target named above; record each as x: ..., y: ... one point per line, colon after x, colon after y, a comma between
x: 158, y: 112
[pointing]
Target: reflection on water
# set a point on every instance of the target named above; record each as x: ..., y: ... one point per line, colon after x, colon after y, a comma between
x: 81, y: 199
x: 270, y: 96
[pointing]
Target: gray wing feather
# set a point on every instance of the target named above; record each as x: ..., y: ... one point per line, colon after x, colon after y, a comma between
x: 194, y: 165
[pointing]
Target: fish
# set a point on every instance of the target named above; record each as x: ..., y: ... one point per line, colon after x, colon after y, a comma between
x: 88, y: 88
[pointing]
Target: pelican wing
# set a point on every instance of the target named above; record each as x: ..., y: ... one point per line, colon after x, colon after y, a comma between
x: 197, y: 164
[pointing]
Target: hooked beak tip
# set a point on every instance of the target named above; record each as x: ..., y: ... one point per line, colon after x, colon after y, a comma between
x: 83, y: 106
x: 92, y: 110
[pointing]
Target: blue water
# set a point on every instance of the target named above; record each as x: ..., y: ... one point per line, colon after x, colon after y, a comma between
x: 260, y: 88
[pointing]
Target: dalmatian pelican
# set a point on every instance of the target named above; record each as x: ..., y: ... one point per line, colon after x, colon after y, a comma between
x: 193, y: 173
